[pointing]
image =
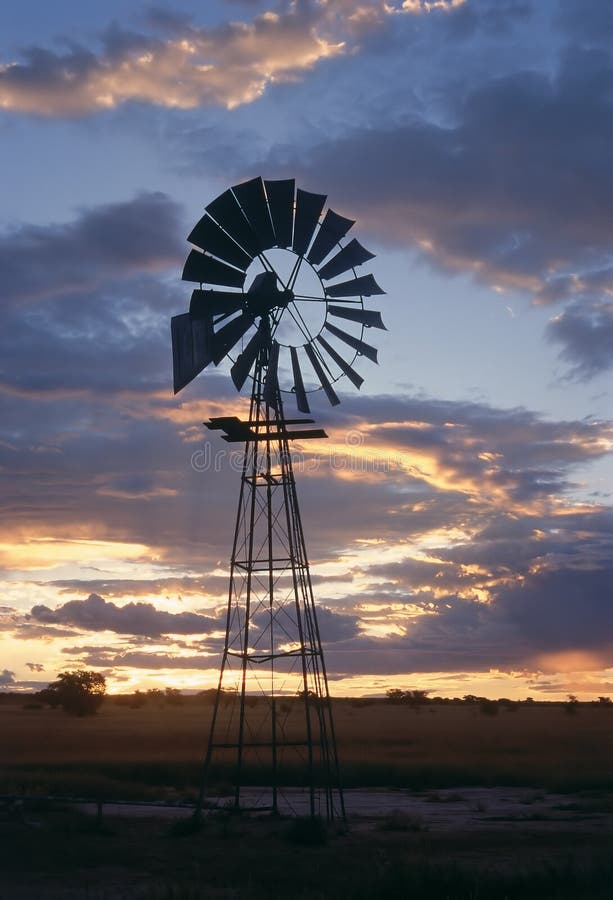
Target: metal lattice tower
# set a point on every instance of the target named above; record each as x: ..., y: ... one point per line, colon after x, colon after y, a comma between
x: 272, y: 723
x: 272, y: 642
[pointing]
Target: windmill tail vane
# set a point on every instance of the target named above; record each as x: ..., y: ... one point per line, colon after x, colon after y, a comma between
x: 275, y: 285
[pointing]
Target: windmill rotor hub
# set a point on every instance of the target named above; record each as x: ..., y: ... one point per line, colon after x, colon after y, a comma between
x: 264, y: 296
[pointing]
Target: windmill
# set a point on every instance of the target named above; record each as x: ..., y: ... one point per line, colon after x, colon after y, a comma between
x: 285, y: 307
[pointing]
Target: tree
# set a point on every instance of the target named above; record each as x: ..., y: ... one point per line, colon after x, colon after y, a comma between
x: 572, y: 705
x: 79, y: 692
x: 416, y: 697
x: 395, y: 695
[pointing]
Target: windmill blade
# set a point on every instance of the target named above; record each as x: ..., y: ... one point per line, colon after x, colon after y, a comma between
x: 241, y: 368
x: 252, y: 200
x: 308, y: 211
x: 281, y: 204
x: 323, y: 378
x: 331, y: 230
x: 360, y: 346
x: 343, y: 365
x: 208, y: 235
x: 191, y: 348
x: 301, y: 398
x: 226, y: 211
x: 365, y: 286
x: 202, y: 268
x: 205, y: 304
x: 354, y: 254
x: 229, y: 335
x: 368, y: 317
x: 271, y: 384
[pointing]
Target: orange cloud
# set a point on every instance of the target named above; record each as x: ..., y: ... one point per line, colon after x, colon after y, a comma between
x: 226, y: 66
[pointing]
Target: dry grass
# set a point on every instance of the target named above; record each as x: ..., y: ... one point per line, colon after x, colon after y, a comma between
x: 379, y: 744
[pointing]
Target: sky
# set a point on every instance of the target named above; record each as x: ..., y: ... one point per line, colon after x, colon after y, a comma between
x: 459, y: 518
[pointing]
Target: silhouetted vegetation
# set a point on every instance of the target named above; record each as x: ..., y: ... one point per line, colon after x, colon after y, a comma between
x: 79, y: 693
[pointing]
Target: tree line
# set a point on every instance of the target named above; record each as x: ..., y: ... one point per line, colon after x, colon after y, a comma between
x: 81, y: 692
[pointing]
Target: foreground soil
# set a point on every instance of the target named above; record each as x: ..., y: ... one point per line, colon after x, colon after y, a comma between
x: 470, y: 846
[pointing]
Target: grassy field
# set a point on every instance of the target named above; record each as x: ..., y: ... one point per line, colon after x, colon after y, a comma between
x: 155, y: 751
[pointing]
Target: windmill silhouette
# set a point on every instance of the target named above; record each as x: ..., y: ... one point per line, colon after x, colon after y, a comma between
x: 276, y: 261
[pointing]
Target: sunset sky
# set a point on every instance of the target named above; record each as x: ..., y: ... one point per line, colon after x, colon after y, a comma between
x: 460, y: 517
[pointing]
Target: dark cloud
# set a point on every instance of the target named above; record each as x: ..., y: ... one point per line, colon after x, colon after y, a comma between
x: 566, y: 608
x: 101, y: 246
x: 102, y: 343
x: 29, y: 632
x: 585, y: 332
x: 7, y: 678
x: 35, y: 667
x: 96, y: 614
x: 142, y: 660
x: 333, y: 626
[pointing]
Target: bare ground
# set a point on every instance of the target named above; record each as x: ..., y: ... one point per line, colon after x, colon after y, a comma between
x: 461, y: 844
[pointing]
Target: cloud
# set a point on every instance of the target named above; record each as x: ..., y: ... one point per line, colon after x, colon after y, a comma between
x: 7, y: 678
x: 333, y: 626
x: 133, y: 587
x: 556, y: 620
x: 101, y: 246
x: 96, y: 614
x: 585, y: 331
x: 229, y: 65
x: 563, y: 608
x: 134, y: 659
x: 35, y: 667
x: 185, y: 586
